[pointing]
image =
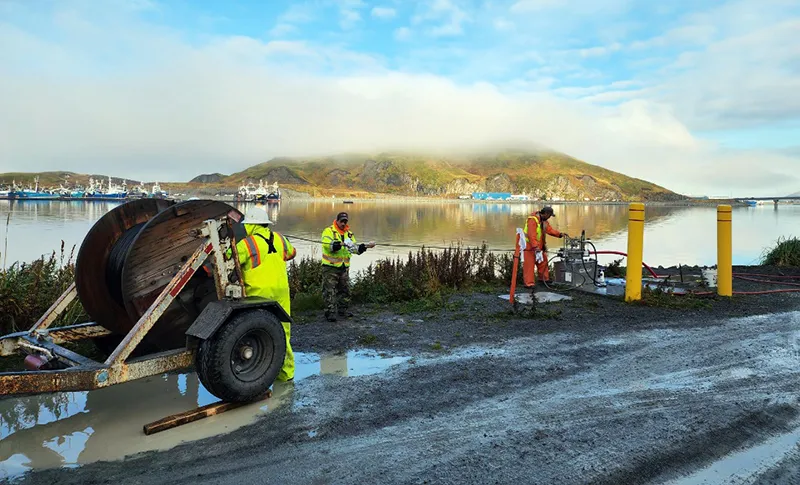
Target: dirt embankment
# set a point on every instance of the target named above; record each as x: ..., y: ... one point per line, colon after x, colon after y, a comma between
x: 591, y: 390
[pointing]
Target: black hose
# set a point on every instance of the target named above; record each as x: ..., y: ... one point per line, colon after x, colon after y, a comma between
x: 593, y: 276
x: 596, y: 263
x: 116, y: 262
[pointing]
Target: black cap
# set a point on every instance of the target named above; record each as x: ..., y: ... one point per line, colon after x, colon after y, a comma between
x: 548, y: 210
x: 342, y: 216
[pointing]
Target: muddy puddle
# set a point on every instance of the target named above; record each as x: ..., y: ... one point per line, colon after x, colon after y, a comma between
x: 740, y: 466
x: 70, y: 429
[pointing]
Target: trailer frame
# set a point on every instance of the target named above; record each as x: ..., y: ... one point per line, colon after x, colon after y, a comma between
x: 81, y: 373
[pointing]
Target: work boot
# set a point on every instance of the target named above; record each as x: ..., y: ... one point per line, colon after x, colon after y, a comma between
x: 330, y: 317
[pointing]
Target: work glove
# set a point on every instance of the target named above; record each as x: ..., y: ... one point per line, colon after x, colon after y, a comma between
x: 336, y: 246
x: 564, y: 234
x: 361, y: 248
x: 539, y: 256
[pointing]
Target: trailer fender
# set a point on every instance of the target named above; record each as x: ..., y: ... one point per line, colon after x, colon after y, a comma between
x: 217, y: 313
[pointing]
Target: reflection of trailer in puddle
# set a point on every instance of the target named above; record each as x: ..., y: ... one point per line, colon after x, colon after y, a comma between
x: 75, y: 428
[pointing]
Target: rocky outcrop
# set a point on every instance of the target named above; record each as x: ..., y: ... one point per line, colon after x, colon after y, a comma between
x: 284, y: 175
x: 208, y: 178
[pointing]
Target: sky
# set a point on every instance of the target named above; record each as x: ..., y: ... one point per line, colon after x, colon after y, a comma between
x: 702, y: 97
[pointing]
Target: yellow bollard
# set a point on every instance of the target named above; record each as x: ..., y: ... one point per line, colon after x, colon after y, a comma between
x: 724, y: 251
x: 633, y: 276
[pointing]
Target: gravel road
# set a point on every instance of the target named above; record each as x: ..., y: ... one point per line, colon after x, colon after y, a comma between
x: 589, y: 391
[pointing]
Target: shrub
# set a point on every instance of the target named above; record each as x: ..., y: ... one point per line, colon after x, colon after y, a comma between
x: 27, y: 290
x: 421, y: 274
x: 785, y: 253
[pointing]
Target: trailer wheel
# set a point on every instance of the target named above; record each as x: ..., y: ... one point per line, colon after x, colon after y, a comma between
x: 241, y: 361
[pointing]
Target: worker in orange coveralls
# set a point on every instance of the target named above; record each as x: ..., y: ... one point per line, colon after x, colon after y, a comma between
x: 535, y: 255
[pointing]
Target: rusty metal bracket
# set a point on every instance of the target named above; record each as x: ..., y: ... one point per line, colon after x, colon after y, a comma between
x: 9, y: 344
x: 225, y: 288
x: 55, y: 310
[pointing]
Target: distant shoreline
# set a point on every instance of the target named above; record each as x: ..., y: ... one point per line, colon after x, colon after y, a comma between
x: 405, y: 199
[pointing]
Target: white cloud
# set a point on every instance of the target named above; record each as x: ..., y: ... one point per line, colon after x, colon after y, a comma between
x: 743, y: 80
x: 173, y: 109
x: 450, y: 18
x: 402, y: 33
x: 282, y: 29
x: 533, y: 5
x: 383, y: 12
x: 600, y: 50
x: 502, y: 24
x: 349, y: 19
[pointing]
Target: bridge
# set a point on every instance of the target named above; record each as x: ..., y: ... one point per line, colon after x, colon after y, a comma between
x: 776, y: 200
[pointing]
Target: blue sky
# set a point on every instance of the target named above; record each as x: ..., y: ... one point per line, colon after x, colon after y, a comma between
x: 658, y: 90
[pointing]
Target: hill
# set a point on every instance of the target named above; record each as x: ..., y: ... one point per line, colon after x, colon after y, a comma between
x: 545, y: 175
x: 208, y: 178
x: 54, y: 179
x: 540, y: 174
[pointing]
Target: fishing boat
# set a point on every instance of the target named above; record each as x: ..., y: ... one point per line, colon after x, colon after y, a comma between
x: 252, y: 193
x: 274, y: 196
x: 113, y: 191
x: 32, y: 193
x: 157, y: 193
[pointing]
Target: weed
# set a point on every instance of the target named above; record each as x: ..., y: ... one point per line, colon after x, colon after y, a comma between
x: 615, y: 269
x: 436, y: 345
x: 785, y: 253
x: 367, y: 339
x: 424, y: 278
x: 27, y: 290
x: 664, y: 298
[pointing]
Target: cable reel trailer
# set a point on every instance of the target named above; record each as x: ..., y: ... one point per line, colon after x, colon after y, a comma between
x: 162, y: 285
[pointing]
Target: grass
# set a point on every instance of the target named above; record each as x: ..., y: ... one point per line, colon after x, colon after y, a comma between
x: 663, y: 298
x: 786, y: 253
x: 27, y: 290
x: 422, y: 281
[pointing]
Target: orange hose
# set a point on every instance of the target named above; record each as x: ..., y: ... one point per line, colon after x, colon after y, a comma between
x: 768, y: 276
x: 767, y: 281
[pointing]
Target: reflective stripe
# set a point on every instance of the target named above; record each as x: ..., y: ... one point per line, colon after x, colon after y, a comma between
x: 285, y: 247
x: 335, y: 260
x: 538, y: 228
x: 255, y: 253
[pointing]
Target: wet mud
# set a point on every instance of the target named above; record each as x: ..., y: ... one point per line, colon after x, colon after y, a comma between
x: 588, y: 390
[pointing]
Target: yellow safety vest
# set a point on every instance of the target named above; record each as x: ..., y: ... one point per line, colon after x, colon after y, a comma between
x: 263, y: 255
x: 538, y: 230
x: 340, y: 258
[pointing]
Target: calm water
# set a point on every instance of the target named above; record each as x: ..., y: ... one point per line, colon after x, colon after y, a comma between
x: 673, y: 235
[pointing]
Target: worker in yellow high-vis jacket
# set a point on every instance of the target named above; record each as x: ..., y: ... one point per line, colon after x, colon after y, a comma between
x: 263, y: 255
x: 338, y: 244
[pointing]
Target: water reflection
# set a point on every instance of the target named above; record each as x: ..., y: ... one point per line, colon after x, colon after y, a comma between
x: 74, y: 428
x: 673, y: 234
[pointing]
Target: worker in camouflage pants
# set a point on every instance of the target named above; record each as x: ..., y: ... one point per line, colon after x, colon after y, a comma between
x: 336, y: 291
x: 338, y: 244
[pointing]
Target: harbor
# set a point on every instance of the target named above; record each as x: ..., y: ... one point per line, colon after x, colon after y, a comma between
x: 95, y: 190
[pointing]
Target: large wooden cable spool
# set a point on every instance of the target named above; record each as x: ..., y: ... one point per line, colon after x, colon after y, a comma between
x: 144, y: 255
x: 91, y: 264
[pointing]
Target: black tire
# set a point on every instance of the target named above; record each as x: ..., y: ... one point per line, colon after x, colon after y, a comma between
x: 222, y: 363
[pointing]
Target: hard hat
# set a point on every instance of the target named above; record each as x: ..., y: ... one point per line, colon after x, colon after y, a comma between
x: 256, y: 216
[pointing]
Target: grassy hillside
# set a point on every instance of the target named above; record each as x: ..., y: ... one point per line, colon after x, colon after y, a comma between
x: 54, y: 179
x: 545, y: 175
